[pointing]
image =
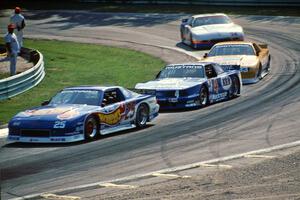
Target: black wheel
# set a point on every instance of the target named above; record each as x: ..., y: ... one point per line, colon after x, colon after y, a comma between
x: 181, y: 36
x: 191, y: 40
x: 259, y: 72
x: 235, y: 87
x: 91, y: 128
x: 203, y: 97
x: 142, y: 116
x: 269, y: 64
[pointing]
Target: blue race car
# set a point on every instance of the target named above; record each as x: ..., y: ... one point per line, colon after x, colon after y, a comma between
x: 192, y: 85
x: 84, y: 112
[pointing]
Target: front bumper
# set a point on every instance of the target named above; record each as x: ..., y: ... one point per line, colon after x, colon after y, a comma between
x: 64, y: 139
x: 154, y: 112
x: 178, y: 103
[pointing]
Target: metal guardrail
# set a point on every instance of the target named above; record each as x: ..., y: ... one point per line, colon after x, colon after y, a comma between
x: 207, y: 2
x: 17, y: 84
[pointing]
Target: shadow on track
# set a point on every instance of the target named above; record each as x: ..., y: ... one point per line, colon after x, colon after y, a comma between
x: 53, y: 145
x: 68, y: 19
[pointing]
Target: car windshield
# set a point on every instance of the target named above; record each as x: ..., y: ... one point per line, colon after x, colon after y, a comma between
x: 221, y: 50
x: 202, y: 21
x: 89, y: 97
x: 182, y: 71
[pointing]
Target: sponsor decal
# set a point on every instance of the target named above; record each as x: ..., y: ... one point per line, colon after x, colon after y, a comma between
x: 69, y: 114
x: 173, y: 100
x: 226, y: 83
x: 233, y: 34
x: 123, y: 112
x: 57, y: 139
x: 218, y: 96
x: 215, y: 86
x: 184, y: 67
x: 16, y: 123
x: 244, y: 69
x: 111, y: 118
x: 64, y: 112
x: 129, y: 110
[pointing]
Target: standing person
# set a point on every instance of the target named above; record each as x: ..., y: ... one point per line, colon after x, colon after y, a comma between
x: 19, y: 21
x: 12, y: 48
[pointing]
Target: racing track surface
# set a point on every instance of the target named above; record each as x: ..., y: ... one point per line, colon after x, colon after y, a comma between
x: 267, y: 114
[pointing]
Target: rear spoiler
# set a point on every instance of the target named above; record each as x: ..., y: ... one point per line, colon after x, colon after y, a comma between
x: 143, y: 91
x: 263, y: 46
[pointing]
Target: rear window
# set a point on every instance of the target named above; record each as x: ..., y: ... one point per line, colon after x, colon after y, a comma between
x: 231, y: 49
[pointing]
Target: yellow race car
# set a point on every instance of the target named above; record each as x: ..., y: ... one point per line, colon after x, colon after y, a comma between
x: 253, y: 60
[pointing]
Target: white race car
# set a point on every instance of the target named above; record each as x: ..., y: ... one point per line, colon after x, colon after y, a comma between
x: 203, y: 31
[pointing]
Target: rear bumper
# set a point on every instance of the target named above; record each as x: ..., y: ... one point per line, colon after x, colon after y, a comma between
x: 209, y: 43
x: 250, y: 80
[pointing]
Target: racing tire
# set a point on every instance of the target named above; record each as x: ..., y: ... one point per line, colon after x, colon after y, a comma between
x: 259, y: 77
x: 181, y: 36
x: 269, y: 64
x: 203, y: 97
x: 191, y: 41
x: 235, y: 87
x: 91, y: 128
x: 142, y: 116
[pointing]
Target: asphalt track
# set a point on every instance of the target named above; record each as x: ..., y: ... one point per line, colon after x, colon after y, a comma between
x: 267, y: 114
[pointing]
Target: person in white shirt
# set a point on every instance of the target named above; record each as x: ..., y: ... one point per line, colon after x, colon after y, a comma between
x: 12, y: 48
x: 19, y: 21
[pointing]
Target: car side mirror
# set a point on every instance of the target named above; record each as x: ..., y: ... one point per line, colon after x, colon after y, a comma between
x: 157, y: 75
x: 44, y: 103
x: 205, y: 55
x: 257, y: 53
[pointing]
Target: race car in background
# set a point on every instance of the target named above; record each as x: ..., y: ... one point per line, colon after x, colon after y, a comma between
x: 84, y: 112
x: 189, y: 85
x: 203, y: 31
x: 253, y: 60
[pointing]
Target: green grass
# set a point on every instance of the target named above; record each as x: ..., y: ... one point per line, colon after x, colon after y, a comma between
x: 4, y: 75
x: 150, y: 8
x: 71, y: 64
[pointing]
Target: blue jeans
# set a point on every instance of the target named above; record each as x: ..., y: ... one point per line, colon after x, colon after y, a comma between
x: 13, y: 62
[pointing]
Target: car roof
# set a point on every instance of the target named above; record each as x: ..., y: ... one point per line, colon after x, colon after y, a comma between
x: 91, y: 87
x: 234, y: 42
x: 209, y: 15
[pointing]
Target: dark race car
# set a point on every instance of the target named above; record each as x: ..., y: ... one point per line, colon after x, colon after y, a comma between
x: 192, y: 85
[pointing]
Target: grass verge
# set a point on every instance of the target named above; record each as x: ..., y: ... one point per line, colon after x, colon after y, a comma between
x: 156, y: 8
x: 71, y: 64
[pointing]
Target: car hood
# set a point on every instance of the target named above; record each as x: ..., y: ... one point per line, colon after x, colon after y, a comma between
x: 54, y: 112
x: 216, y: 28
x: 170, y: 83
x: 242, y: 60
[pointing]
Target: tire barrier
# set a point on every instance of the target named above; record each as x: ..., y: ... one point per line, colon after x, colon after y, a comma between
x: 17, y: 84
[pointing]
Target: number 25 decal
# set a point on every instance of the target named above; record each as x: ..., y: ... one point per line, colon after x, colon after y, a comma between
x: 59, y: 124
